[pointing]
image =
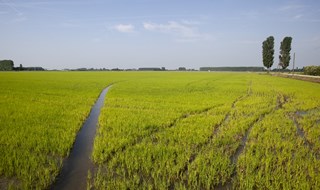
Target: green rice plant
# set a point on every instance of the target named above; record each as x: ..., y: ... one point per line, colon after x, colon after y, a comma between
x: 40, y: 115
x: 162, y: 130
x: 159, y: 154
x: 191, y: 131
x: 276, y: 156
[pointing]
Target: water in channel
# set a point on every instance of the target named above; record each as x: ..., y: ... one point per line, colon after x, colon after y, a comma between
x: 73, y: 174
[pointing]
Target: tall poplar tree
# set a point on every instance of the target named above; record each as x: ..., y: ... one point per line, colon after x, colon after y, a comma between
x: 285, y: 48
x: 268, y: 52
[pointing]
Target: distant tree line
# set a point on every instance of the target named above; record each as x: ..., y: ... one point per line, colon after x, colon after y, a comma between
x: 29, y: 69
x: 268, y: 52
x: 132, y: 69
x: 8, y: 65
x: 252, y: 69
x: 152, y: 69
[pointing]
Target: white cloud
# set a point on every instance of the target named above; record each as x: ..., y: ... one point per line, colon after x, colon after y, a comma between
x: 182, y: 31
x: 125, y: 28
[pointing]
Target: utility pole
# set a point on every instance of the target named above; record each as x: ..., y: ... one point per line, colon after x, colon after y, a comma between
x: 294, y: 59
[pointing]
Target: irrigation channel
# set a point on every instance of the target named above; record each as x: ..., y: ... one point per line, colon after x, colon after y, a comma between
x: 73, y: 174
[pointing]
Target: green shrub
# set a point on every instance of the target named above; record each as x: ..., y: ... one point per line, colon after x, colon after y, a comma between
x: 312, y: 70
x: 6, y: 65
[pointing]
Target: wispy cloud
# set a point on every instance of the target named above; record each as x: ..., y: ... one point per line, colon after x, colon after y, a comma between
x: 12, y: 6
x: 299, y: 13
x: 40, y: 2
x: 182, y: 31
x: 16, y: 14
x: 124, y: 28
x: 292, y: 7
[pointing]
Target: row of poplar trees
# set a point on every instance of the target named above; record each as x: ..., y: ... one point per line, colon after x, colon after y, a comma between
x: 268, y: 52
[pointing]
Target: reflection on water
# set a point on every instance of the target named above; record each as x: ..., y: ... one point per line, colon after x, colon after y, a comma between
x: 75, y: 168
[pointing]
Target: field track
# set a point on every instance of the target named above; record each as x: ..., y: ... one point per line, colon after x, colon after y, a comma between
x: 299, y: 77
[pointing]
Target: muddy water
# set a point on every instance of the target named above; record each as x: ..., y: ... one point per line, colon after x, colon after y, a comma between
x: 75, y: 168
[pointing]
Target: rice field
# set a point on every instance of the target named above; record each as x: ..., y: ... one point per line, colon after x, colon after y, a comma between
x: 40, y: 115
x: 163, y: 130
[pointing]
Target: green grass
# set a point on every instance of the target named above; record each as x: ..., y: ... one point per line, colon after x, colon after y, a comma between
x: 186, y: 130
x: 163, y: 130
x: 40, y: 114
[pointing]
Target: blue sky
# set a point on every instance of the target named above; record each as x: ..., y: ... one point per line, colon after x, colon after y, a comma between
x: 155, y: 33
